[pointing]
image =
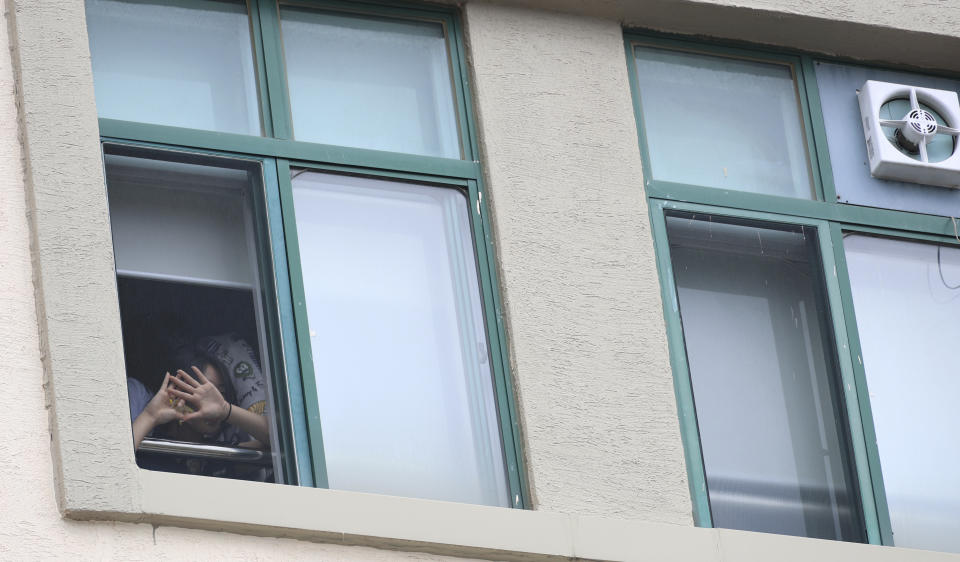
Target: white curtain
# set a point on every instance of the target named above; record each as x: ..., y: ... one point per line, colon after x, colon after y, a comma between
x: 907, y: 303
x: 404, y: 383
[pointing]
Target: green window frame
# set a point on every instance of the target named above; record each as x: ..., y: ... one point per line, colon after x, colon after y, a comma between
x: 832, y: 219
x: 299, y: 419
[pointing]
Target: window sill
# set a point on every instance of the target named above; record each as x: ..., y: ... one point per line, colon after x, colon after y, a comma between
x: 444, y: 528
x: 353, y: 518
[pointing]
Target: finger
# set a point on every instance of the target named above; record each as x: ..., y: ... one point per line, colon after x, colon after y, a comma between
x: 181, y: 384
x: 166, y: 381
x: 180, y: 394
x: 181, y: 374
x: 200, y: 377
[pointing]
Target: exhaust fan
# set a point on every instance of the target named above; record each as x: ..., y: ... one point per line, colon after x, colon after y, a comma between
x: 911, y: 133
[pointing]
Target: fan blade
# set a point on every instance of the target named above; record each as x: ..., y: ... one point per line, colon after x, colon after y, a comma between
x: 913, y: 100
x: 948, y: 130
x: 893, y: 123
x: 923, y: 151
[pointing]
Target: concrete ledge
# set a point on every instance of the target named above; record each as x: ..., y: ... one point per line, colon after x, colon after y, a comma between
x: 354, y: 518
x: 452, y: 529
x: 916, y: 34
x: 745, y: 546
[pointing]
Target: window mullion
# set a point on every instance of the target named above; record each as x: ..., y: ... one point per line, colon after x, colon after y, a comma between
x: 256, y: 34
x: 461, y: 87
x: 812, y: 119
x: 496, y: 338
x: 860, y: 416
x: 269, y: 303
x: 682, y: 385
x: 294, y: 397
x: 298, y: 295
x: 817, y: 132
x: 278, y: 97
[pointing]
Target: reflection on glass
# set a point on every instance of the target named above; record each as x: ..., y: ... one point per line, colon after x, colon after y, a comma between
x: 369, y: 82
x: 761, y: 358
x: 722, y: 122
x: 907, y: 301
x: 403, y: 375
x: 188, y: 281
x: 938, y: 149
x: 169, y: 62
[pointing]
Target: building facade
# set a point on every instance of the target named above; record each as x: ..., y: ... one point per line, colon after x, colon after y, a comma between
x: 605, y: 464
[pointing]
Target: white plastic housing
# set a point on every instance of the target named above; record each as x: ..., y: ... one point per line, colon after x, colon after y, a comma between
x: 886, y: 161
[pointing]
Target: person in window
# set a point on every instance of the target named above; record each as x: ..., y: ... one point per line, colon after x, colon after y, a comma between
x: 214, y: 399
x: 201, y: 400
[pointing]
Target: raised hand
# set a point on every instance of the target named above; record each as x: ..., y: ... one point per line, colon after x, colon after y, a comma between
x: 162, y: 408
x: 210, y: 408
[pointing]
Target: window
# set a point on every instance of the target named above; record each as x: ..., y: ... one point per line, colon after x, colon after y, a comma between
x: 752, y: 105
x: 810, y: 305
x: 295, y: 199
x: 907, y: 363
x: 764, y: 376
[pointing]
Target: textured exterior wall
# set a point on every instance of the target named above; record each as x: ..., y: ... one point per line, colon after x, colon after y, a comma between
x: 582, y: 297
x: 578, y: 273
x: 73, y: 253
x: 911, y: 32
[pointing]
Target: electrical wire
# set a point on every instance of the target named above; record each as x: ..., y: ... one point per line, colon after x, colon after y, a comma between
x: 940, y: 265
x: 940, y: 270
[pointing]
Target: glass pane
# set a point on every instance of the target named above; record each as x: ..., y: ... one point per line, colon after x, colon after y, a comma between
x: 907, y: 306
x: 370, y: 82
x: 188, y: 280
x: 764, y: 375
x: 722, y: 122
x: 171, y: 62
x: 403, y: 373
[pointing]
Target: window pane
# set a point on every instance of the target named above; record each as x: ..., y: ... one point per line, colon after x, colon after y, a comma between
x: 370, y: 82
x: 762, y: 364
x: 188, y: 281
x: 906, y: 300
x: 722, y: 122
x: 170, y: 62
x: 403, y: 373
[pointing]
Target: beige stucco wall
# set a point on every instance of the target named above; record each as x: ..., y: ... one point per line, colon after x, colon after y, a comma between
x: 577, y: 268
x: 912, y: 32
x: 583, y: 309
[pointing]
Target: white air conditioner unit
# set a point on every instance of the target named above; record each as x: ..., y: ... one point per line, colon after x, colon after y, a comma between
x: 911, y: 133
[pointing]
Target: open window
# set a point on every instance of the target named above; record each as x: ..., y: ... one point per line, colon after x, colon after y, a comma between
x: 190, y: 278
x: 764, y: 376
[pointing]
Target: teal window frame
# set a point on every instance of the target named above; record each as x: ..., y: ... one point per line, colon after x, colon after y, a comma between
x: 300, y: 425
x: 831, y: 219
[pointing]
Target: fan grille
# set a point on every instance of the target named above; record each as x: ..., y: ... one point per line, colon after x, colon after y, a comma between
x: 922, y: 121
x: 939, y: 148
